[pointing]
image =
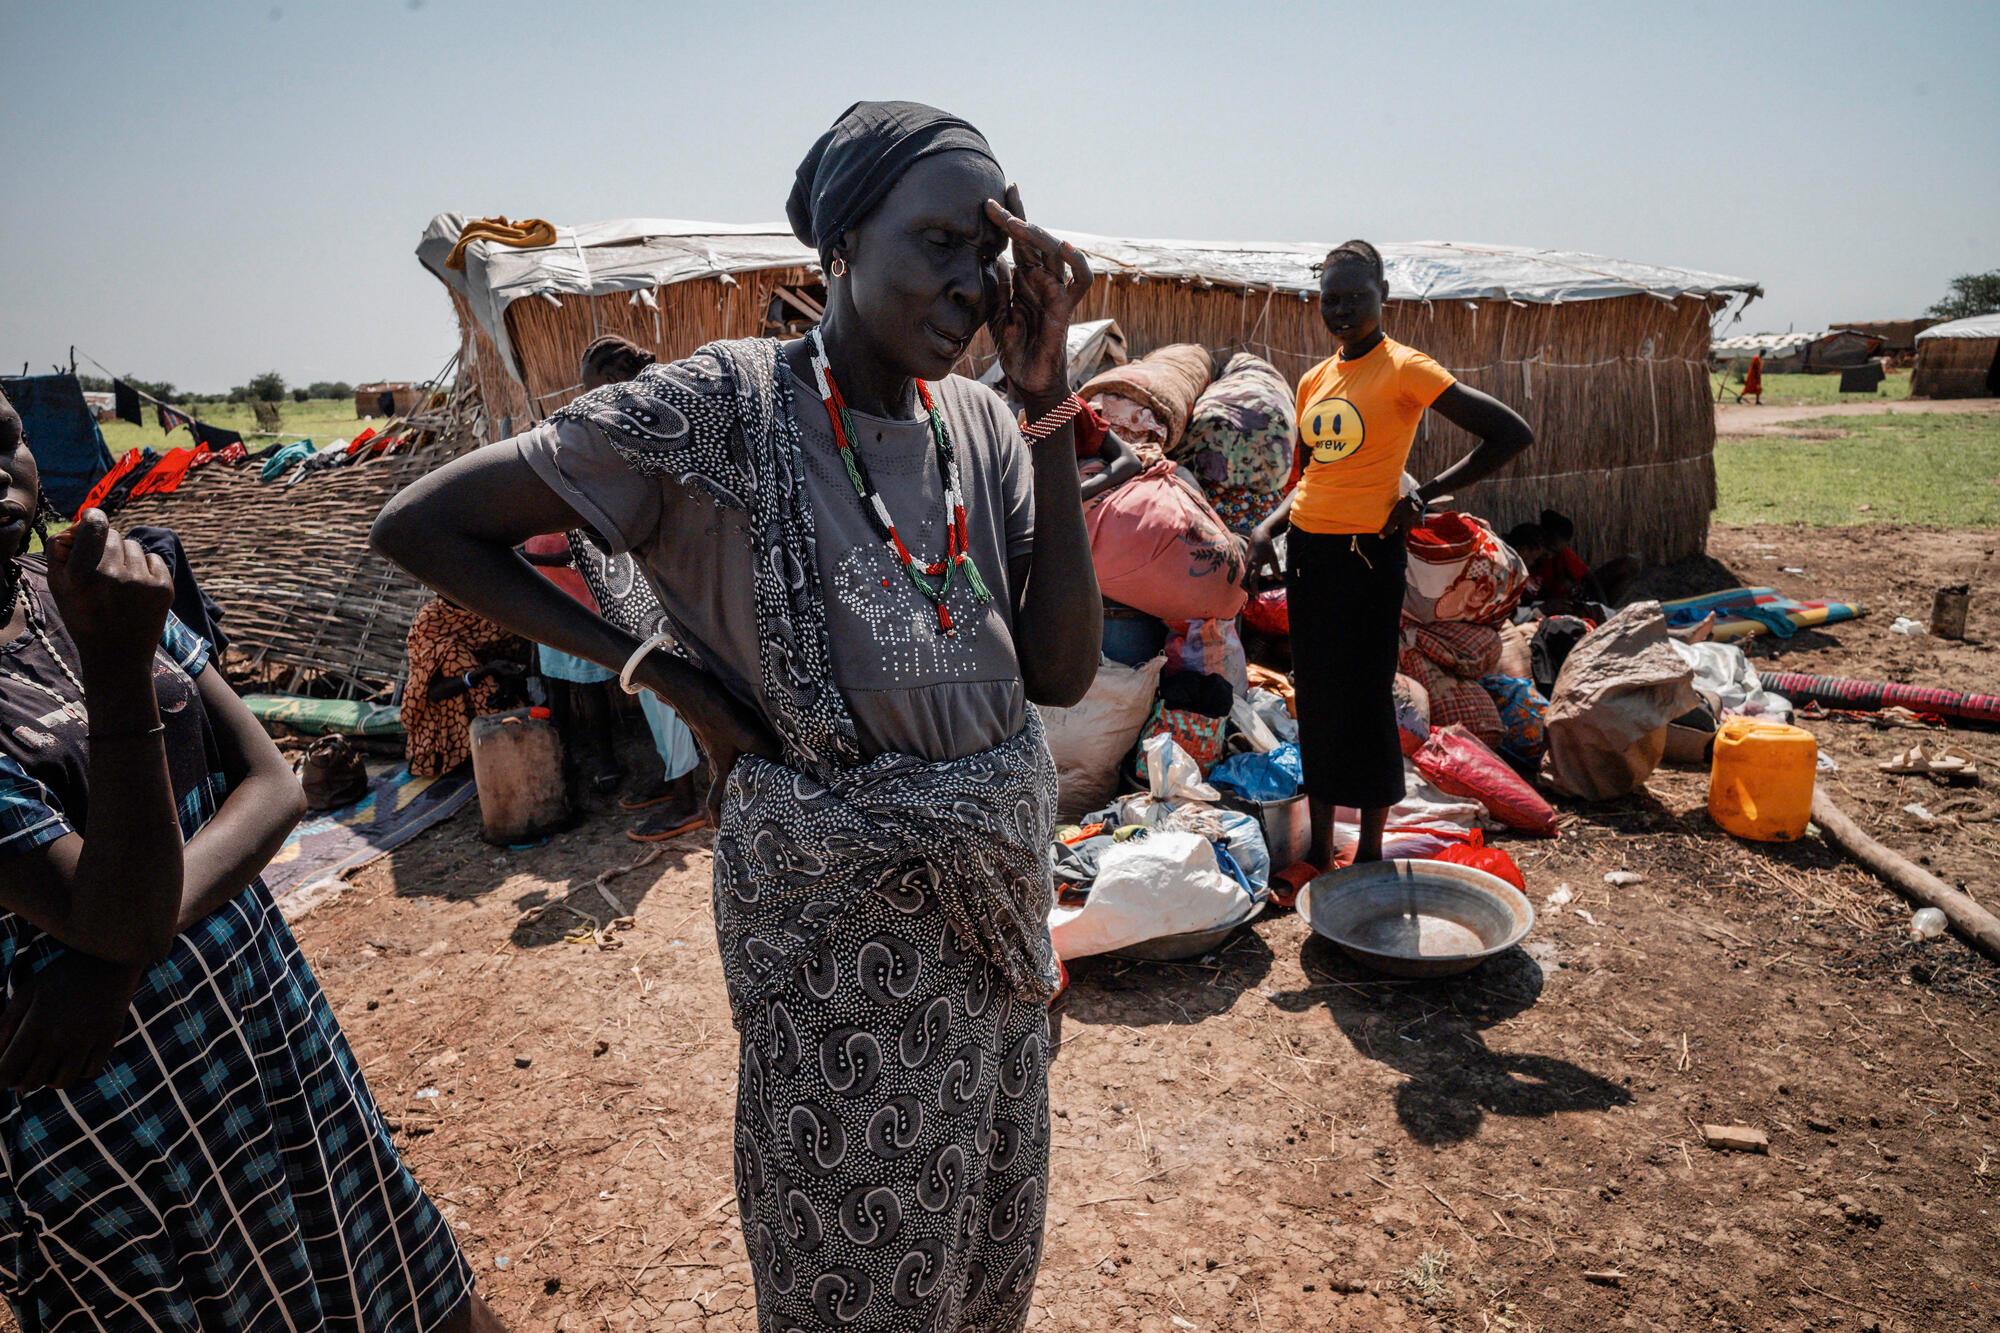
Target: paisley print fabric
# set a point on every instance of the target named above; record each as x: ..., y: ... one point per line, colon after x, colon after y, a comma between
x: 883, y: 929
x: 965, y: 841
x: 892, y: 1135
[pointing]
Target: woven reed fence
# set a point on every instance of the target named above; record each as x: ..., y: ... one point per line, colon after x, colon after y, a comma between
x: 1617, y: 389
x: 1954, y: 368
x: 291, y: 569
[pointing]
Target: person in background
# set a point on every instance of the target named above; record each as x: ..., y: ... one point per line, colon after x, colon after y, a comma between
x: 675, y: 800
x: 581, y: 690
x: 1561, y: 576
x: 1528, y: 542
x: 462, y: 666
x: 1753, y: 380
x: 186, y: 1139
x: 1346, y: 519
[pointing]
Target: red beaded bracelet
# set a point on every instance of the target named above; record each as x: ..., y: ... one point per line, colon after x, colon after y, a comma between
x: 1053, y: 420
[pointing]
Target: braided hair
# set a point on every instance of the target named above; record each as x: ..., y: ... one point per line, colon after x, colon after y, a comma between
x: 615, y: 359
x: 1359, y: 252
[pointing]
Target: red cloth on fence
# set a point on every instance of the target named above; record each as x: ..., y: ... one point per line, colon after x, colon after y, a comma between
x: 119, y: 471
x: 167, y: 476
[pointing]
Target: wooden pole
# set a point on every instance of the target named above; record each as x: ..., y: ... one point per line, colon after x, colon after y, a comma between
x: 1977, y: 925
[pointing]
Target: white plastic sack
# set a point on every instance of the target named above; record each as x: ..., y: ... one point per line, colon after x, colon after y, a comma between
x: 1722, y: 672
x: 1250, y: 724
x: 1173, y: 775
x: 1147, y: 889
x: 1090, y: 741
x: 1270, y: 706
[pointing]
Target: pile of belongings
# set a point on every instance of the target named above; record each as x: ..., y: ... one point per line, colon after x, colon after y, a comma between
x: 1239, y: 440
x: 1148, y: 402
x: 1463, y: 584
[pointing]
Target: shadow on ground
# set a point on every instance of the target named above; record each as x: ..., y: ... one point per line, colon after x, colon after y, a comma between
x: 1430, y: 1031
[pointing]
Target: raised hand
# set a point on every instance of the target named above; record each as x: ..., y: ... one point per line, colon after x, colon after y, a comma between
x: 1030, y: 326
x: 113, y: 594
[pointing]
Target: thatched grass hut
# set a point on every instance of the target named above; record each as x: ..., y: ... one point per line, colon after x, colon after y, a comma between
x: 1958, y: 360
x: 1607, y: 359
x: 387, y: 398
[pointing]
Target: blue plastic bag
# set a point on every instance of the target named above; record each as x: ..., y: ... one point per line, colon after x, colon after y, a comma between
x: 1261, y: 777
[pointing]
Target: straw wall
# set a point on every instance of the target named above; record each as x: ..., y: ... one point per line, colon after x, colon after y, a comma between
x: 1617, y: 391
x: 1955, y: 368
x: 672, y: 321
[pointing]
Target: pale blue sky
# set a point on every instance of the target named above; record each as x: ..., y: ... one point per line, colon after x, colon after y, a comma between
x: 197, y: 191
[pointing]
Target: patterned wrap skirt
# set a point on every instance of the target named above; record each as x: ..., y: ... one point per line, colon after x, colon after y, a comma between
x: 892, y: 1119
x: 227, y: 1169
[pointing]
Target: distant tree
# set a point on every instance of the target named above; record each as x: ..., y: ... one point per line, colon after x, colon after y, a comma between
x: 161, y: 389
x: 94, y: 383
x: 331, y: 389
x: 300, y: 395
x: 268, y: 387
x: 1971, y: 294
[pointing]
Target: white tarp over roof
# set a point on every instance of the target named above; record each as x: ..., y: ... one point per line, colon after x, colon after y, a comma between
x: 642, y: 253
x: 1777, y: 346
x: 1978, y: 326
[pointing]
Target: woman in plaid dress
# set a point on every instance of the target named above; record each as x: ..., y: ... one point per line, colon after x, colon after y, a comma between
x: 186, y: 1142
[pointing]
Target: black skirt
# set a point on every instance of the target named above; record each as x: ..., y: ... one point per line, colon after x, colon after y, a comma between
x: 1345, y: 597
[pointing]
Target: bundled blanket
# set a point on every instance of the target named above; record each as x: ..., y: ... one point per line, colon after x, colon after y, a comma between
x: 1149, y: 401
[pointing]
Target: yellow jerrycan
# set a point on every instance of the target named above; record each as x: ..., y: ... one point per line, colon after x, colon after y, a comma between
x: 1760, y: 783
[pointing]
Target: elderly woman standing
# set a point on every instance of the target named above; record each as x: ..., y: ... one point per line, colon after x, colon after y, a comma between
x: 870, y: 574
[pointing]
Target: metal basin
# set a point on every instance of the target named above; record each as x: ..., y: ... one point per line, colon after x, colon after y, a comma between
x: 1417, y: 918
x: 1188, y: 944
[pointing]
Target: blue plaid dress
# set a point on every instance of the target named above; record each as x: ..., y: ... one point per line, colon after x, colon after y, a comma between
x: 228, y: 1168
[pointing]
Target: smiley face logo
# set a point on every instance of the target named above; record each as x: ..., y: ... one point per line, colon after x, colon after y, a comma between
x: 1332, y: 429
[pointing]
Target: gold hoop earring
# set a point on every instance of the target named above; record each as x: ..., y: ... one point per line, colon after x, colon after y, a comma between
x: 838, y: 268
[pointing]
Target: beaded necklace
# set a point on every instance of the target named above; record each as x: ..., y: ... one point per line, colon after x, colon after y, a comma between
x: 957, y: 555
x: 73, y: 707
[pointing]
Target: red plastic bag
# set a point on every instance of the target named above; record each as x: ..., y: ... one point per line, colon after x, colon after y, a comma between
x: 1475, y: 853
x: 1458, y: 763
x: 1269, y: 612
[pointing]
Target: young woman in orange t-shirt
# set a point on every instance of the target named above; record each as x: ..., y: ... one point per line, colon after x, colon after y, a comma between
x: 1346, y: 518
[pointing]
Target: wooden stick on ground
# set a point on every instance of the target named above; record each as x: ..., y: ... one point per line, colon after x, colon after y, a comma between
x: 1977, y: 925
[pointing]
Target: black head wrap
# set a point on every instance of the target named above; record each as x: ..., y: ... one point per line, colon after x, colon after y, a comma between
x: 865, y: 152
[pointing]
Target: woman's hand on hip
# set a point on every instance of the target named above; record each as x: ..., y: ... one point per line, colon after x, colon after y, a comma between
x: 1030, y: 325
x: 1407, y: 514
x: 725, y: 728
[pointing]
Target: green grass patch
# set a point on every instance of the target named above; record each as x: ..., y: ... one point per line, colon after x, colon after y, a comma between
x: 323, y: 420
x: 1810, y: 390
x: 1932, y: 469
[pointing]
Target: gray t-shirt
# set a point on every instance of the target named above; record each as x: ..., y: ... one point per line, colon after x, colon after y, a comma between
x: 911, y: 689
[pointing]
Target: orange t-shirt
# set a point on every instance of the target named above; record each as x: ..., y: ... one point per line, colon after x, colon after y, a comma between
x: 1357, y: 421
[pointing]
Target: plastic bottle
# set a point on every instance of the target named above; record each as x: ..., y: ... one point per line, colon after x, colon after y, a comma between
x: 1926, y: 923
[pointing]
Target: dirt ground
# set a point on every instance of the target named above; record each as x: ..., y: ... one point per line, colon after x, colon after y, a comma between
x: 1760, y: 419
x: 1269, y: 1139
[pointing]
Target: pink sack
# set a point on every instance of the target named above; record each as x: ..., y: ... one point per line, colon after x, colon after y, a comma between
x: 1159, y: 548
x: 1456, y: 762
x: 1460, y: 570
